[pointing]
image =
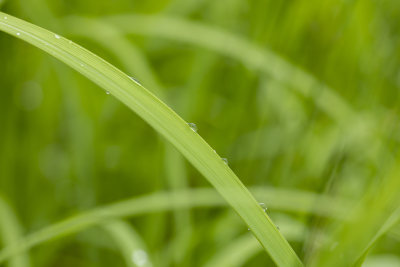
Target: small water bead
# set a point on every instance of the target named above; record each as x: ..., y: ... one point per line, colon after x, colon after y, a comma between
x: 135, y: 80
x: 57, y: 36
x: 18, y: 33
x: 225, y: 160
x: 193, y: 126
x: 5, y: 17
x: 263, y: 206
x: 107, y: 92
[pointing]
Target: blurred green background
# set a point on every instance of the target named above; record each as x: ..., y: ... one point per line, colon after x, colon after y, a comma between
x: 320, y: 115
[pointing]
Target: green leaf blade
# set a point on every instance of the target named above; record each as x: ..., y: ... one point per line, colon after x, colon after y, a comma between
x: 166, y: 122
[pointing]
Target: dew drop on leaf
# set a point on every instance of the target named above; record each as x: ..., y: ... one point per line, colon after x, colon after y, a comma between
x: 193, y: 126
x: 263, y: 206
x: 135, y: 80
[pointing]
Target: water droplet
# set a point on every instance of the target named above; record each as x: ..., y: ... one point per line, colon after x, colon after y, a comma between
x: 248, y: 229
x: 263, y: 206
x: 18, y: 33
x: 225, y: 160
x: 215, y: 151
x: 57, y: 36
x: 107, y: 92
x: 5, y: 17
x: 135, y: 80
x: 139, y: 257
x: 277, y: 227
x: 193, y: 127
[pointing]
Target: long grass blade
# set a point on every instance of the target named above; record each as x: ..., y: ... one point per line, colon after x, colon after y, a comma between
x: 253, y: 56
x: 284, y: 200
x: 392, y: 221
x: 166, y: 122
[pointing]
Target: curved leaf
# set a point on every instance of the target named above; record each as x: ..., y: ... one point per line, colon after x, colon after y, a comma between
x: 166, y: 122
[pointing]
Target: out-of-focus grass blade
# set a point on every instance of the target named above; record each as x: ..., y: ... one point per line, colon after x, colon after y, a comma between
x: 128, y: 54
x: 251, y: 55
x: 11, y: 233
x: 128, y: 242
x: 236, y: 254
x: 255, y: 57
x: 349, y: 242
x: 287, y: 200
x: 242, y: 249
x: 166, y: 122
x: 176, y: 175
x: 393, y: 220
x: 134, y: 61
x: 383, y: 260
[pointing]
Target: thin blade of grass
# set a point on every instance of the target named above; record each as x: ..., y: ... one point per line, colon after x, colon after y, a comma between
x: 236, y: 254
x: 128, y: 54
x: 133, y: 61
x: 245, y: 247
x: 374, y: 215
x: 285, y: 200
x: 166, y: 122
x: 128, y: 242
x: 393, y: 220
x: 251, y: 55
x: 11, y: 233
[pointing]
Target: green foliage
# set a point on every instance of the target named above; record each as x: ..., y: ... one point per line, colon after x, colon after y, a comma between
x: 165, y: 121
x: 300, y: 96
